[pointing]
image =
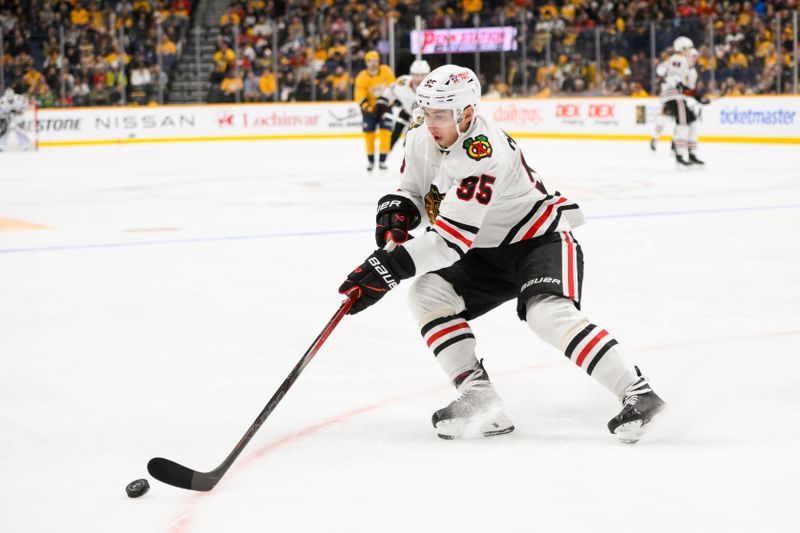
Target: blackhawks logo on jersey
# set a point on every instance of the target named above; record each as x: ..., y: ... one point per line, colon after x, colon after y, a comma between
x: 478, y: 147
x: 432, y: 201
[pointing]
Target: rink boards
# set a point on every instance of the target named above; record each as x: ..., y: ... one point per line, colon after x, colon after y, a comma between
x: 768, y: 119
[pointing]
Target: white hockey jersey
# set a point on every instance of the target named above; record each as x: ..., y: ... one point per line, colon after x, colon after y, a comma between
x: 479, y: 194
x: 691, y: 79
x: 401, y: 93
x: 691, y: 85
x: 13, y: 105
x: 673, y: 71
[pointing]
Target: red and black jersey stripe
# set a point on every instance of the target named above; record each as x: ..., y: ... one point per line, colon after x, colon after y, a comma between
x: 457, y: 235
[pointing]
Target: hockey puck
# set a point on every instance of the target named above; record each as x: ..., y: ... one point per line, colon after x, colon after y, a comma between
x: 137, y: 488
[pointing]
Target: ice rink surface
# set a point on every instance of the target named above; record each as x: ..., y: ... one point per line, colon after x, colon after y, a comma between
x: 153, y: 297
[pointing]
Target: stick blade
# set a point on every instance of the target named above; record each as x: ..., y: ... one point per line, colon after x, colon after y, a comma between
x: 172, y: 473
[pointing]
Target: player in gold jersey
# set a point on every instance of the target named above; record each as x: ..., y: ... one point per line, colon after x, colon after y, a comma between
x: 369, y: 86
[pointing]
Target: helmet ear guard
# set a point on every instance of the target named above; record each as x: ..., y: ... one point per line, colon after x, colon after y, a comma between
x: 458, y: 116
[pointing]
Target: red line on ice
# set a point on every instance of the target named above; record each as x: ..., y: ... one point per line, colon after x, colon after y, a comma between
x: 183, y: 523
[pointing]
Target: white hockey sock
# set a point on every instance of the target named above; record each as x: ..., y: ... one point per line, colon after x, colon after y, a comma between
x: 453, y: 344
x: 660, y: 122
x: 559, y: 323
x: 692, y: 145
x: 681, y: 139
x: 592, y: 349
x: 437, y: 309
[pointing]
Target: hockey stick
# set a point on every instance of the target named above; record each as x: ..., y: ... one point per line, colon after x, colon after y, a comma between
x: 172, y: 473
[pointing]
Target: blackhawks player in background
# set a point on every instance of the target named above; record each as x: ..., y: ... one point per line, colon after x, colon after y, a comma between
x: 370, y: 84
x: 12, y: 107
x: 402, y: 94
x: 494, y: 233
x: 679, y: 101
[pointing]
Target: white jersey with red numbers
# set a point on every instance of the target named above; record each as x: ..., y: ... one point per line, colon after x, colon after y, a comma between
x: 478, y: 194
x: 674, y: 71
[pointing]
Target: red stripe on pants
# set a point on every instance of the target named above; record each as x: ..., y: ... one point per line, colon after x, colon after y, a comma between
x: 570, y: 267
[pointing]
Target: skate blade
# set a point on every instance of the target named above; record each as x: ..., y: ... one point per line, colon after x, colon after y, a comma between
x: 459, y: 429
x: 630, y: 432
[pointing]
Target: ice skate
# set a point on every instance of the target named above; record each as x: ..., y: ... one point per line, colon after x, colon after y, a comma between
x: 653, y: 144
x: 370, y: 166
x: 693, y: 159
x: 478, y: 411
x: 383, y: 166
x: 681, y: 163
x: 639, y: 405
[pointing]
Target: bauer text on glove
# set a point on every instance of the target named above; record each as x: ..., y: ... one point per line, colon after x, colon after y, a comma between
x: 376, y: 276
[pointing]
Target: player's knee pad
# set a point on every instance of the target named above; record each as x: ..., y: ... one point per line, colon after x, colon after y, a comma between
x: 555, y: 319
x: 431, y: 296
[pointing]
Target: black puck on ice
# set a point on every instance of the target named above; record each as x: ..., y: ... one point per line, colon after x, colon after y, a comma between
x: 137, y: 488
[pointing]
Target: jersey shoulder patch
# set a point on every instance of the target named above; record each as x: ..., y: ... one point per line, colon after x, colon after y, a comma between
x: 478, y: 147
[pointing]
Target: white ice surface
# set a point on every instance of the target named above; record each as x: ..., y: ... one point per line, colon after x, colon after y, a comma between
x: 177, y: 285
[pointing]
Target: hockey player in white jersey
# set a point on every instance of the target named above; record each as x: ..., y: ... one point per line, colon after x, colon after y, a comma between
x: 695, y: 102
x: 400, y: 98
x: 494, y: 233
x: 12, y: 133
x: 675, y: 72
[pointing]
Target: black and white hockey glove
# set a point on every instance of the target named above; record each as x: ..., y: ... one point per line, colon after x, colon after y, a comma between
x: 381, y: 107
x: 397, y: 215
x: 702, y: 99
x: 376, y: 276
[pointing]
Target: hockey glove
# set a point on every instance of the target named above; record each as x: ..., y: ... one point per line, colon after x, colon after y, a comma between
x: 381, y: 107
x: 397, y: 215
x: 703, y: 100
x: 364, y: 105
x: 376, y: 276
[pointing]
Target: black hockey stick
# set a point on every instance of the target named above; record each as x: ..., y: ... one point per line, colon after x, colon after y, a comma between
x: 172, y: 473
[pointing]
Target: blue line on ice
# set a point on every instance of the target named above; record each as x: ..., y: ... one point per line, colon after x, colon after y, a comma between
x: 264, y: 236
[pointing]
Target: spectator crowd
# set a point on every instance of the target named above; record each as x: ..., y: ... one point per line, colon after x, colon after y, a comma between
x: 571, y: 47
x: 91, y: 52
